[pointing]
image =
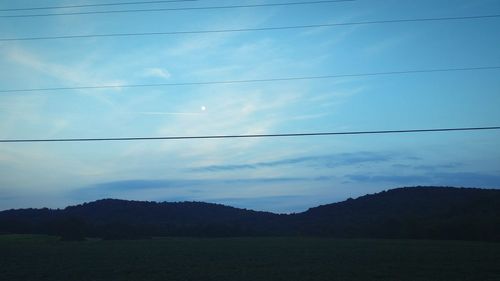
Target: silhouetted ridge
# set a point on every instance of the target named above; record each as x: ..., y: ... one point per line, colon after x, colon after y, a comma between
x: 416, y: 212
x: 165, y: 212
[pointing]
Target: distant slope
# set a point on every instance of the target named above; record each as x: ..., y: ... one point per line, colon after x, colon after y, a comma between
x: 117, y: 218
x: 416, y: 212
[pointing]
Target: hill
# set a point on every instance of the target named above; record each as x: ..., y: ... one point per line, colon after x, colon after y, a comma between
x: 417, y: 212
x: 413, y: 212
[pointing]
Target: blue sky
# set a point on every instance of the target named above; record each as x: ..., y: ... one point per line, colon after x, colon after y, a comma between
x: 281, y: 174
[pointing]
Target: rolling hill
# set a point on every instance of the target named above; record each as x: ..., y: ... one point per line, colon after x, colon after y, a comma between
x: 412, y: 212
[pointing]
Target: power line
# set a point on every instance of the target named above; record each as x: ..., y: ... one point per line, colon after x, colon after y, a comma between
x: 251, y: 136
x: 367, y: 74
x: 177, y: 9
x: 251, y: 29
x: 96, y: 5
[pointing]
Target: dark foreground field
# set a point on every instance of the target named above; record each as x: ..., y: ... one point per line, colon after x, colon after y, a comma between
x: 46, y: 258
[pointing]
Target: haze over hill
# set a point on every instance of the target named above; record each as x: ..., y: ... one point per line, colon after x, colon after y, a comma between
x: 416, y: 212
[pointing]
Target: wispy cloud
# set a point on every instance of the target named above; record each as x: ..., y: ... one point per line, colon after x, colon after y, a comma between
x: 397, y: 179
x: 467, y: 179
x: 472, y: 179
x: 437, y: 167
x: 69, y: 73
x: 328, y: 161
x: 385, y: 45
x: 189, y: 186
x: 167, y: 113
x: 157, y: 72
x: 76, y: 73
x: 142, y: 184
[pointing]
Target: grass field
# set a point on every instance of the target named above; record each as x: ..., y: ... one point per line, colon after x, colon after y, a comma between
x: 28, y: 257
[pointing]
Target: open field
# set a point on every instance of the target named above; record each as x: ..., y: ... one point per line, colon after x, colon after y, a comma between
x: 28, y: 257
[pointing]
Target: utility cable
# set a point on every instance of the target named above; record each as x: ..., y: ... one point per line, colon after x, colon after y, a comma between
x: 298, y: 78
x: 251, y: 135
x: 252, y: 29
x: 96, y: 5
x: 177, y: 9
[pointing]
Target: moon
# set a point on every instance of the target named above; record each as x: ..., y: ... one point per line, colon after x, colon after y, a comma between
x: 203, y: 108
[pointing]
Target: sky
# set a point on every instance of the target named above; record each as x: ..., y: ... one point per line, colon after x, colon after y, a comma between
x: 273, y: 174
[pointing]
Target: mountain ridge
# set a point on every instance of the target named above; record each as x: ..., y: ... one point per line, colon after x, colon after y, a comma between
x: 409, y: 212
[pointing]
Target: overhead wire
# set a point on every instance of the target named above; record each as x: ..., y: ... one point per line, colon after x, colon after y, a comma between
x: 231, y: 81
x: 263, y: 80
x: 178, y: 9
x: 251, y: 135
x: 252, y: 29
x: 96, y: 5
